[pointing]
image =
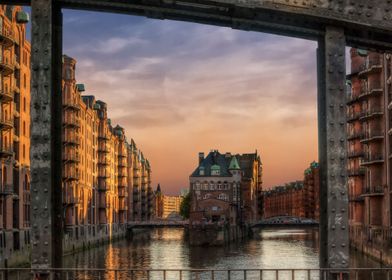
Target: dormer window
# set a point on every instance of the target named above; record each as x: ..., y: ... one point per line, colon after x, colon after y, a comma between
x: 201, y: 171
x: 215, y: 170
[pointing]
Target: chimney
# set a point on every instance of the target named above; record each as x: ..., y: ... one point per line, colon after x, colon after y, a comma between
x: 201, y: 157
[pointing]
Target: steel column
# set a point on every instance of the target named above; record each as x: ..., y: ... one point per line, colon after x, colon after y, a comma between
x: 333, y: 158
x: 46, y: 179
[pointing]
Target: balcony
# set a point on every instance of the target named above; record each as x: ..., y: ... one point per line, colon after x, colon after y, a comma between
x: 6, y: 38
x: 371, y: 65
x: 372, y: 113
x: 103, y: 160
x: 121, y: 192
x: 6, y: 96
x: 6, y: 190
x: 355, y: 154
x: 68, y: 104
x: 6, y: 151
x: 5, y: 67
x: 122, y: 162
x: 71, y: 139
x: 103, y: 173
x: 71, y: 175
x: 71, y: 121
x: 122, y: 172
x: 356, y: 172
x: 354, y: 116
x: 355, y: 136
x: 6, y: 123
x: 372, y: 136
x: 103, y: 137
x: 103, y: 148
x: 71, y: 157
x: 356, y: 198
x: 122, y: 205
x: 373, y: 159
x: 103, y: 185
x: 373, y: 190
x: 69, y: 198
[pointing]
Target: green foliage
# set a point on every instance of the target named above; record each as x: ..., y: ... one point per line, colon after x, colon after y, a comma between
x: 185, y: 206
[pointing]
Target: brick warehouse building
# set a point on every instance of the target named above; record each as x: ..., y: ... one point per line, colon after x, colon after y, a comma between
x: 299, y: 198
x: 107, y: 181
x: 15, y: 135
x: 369, y: 151
x: 226, y: 187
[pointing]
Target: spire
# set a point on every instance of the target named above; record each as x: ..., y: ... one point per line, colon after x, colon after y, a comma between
x: 158, y: 188
x: 234, y: 164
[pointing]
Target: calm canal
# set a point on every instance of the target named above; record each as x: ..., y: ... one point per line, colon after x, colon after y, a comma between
x: 168, y: 248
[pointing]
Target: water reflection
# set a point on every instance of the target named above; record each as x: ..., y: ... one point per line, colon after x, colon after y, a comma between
x: 168, y: 248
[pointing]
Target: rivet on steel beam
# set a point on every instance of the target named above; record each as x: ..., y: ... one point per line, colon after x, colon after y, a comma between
x: 342, y: 210
x: 333, y: 210
x: 333, y: 245
x: 343, y: 227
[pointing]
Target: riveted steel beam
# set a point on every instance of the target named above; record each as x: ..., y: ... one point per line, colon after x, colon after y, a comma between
x: 46, y: 230
x: 332, y: 126
x: 366, y: 25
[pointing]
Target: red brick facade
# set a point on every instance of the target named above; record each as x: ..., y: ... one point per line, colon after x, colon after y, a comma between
x: 299, y: 199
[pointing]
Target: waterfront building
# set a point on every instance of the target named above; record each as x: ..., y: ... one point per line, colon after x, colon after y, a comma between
x: 298, y: 199
x: 312, y: 191
x: 98, y: 168
x: 158, y: 202
x: 15, y: 135
x: 225, y: 188
x: 369, y: 123
x: 285, y: 200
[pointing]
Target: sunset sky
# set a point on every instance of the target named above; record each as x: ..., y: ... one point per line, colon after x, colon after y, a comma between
x: 181, y: 88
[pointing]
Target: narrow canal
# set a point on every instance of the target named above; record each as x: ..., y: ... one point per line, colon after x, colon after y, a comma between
x: 168, y: 248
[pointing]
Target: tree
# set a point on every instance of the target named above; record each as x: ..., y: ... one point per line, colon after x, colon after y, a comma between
x: 185, y: 206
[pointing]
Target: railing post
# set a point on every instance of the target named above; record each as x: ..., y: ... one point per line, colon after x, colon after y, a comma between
x: 334, y: 234
x: 46, y: 111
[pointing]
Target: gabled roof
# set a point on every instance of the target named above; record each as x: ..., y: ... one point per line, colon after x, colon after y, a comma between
x: 214, y: 160
x: 225, y: 163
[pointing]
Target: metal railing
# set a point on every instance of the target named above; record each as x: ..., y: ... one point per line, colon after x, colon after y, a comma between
x: 198, y: 274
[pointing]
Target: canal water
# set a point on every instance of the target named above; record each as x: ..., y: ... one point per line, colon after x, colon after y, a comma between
x: 168, y: 248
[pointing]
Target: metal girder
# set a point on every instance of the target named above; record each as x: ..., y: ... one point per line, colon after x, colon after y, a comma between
x: 367, y: 25
x: 46, y: 230
x: 334, y: 239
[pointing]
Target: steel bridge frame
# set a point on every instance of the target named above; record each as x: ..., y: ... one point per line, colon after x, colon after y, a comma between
x: 333, y: 23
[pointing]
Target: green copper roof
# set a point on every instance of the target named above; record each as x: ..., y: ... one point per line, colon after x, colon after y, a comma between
x: 362, y: 52
x: 314, y: 164
x: 234, y: 163
x: 80, y: 87
x: 215, y: 167
x: 22, y: 17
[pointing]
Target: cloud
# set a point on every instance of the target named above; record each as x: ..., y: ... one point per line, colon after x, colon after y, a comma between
x: 180, y: 88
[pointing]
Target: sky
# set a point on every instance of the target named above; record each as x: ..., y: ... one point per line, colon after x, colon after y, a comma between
x: 182, y: 88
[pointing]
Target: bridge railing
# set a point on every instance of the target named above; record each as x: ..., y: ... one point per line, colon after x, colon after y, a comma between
x: 197, y: 274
